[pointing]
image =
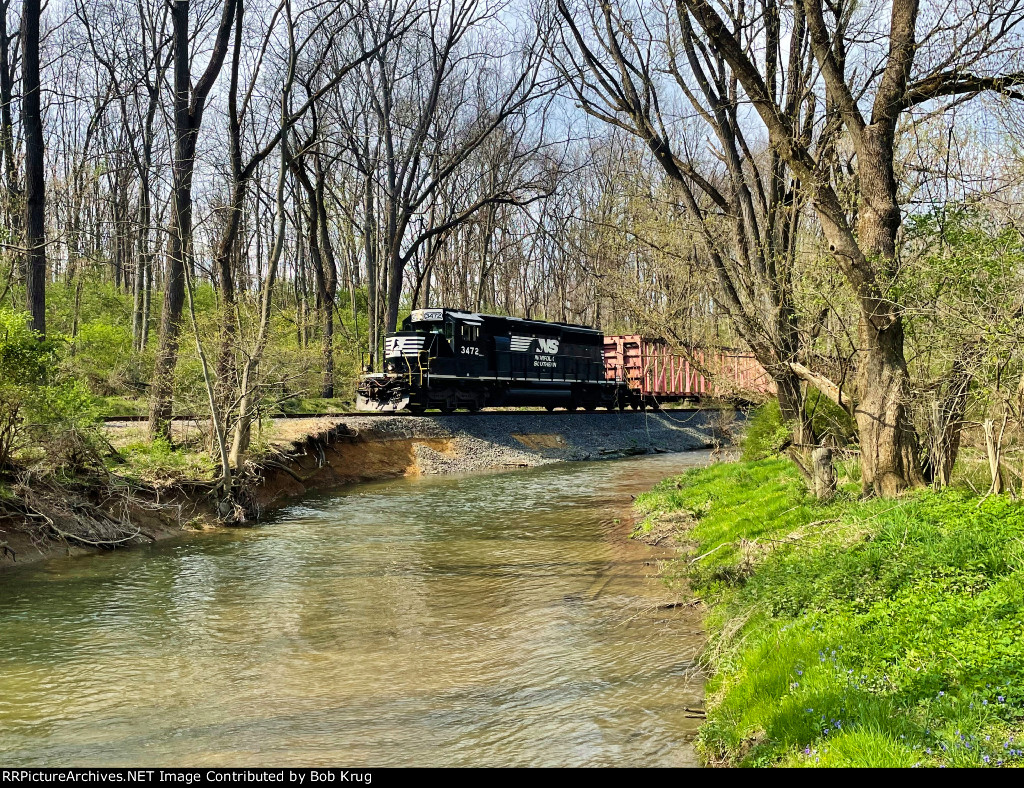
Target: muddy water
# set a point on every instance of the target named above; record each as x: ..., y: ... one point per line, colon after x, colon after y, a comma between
x: 492, y: 619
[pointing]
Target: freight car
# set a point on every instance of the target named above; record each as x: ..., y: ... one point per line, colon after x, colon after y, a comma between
x: 656, y: 374
x: 447, y: 359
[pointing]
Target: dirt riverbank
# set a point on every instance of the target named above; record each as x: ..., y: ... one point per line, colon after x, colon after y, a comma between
x: 318, y: 454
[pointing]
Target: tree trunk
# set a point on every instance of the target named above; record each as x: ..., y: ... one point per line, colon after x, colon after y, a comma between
x: 791, y: 403
x: 189, y: 104
x: 994, y: 449
x: 947, y: 417
x: 823, y: 473
x: 143, y: 263
x: 161, y: 401
x: 247, y: 404
x: 223, y: 264
x: 370, y: 247
x: 890, y: 455
x: 330, y: 278
x: 396, y: 271
x: 890, y: 452
x: 14, y: 212
x: 35, y: 184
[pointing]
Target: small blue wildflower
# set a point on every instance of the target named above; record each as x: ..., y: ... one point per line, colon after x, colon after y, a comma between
x: 985, y: 758
x: 1001, y: 699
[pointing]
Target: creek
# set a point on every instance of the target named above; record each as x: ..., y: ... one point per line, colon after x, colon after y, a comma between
x: 487, y: 619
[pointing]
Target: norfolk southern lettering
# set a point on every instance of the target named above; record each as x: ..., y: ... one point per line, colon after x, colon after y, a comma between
x: 448, y: 359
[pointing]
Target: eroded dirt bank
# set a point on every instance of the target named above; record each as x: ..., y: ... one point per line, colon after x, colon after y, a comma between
x: 329, y: 452
x: 317, y: 454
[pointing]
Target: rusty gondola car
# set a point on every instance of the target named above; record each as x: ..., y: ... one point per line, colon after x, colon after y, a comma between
x: 656, y: 374
x: 450, y: 359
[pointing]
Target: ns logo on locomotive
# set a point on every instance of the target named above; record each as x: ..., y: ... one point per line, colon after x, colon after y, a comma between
x: 448, y: 359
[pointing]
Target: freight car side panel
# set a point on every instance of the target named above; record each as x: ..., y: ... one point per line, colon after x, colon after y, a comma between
x: 651, y: 369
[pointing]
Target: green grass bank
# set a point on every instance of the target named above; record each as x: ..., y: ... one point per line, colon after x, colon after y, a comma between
x: 853, y: 633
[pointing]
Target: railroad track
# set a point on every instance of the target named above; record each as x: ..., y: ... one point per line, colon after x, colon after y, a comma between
x: 433, y: 414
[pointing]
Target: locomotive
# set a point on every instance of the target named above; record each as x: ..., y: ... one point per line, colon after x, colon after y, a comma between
x: 449, y: 359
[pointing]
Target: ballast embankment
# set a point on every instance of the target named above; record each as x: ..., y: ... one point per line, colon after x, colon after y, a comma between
x: 321, y: 453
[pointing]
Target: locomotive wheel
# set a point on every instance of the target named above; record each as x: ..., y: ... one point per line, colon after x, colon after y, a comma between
x: 571, y: 407
x: 447, y: 407
x: 417, y: 410
x: 590, y: 406
x: 634, y: 405
x: 549, y: 408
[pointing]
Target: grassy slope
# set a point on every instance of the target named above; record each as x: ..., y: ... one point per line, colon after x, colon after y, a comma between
x: 857, y: 633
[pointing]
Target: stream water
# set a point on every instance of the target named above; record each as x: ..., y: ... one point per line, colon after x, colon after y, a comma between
x: 492, y: 619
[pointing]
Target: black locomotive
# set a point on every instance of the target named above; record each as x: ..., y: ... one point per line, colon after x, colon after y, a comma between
x: 447, y: 359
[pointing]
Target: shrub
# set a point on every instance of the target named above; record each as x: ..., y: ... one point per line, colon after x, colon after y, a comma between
x: 102, y: 356
x: 56, y: 415
x: 25, y: 362
x: 767, y: 432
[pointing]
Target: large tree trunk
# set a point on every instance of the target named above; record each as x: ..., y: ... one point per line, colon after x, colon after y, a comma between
x: 890, y: 452
x: 162, y: 392
x: 890, y: 456
x: 35, y: 183
x: 189, y: 103
x: 396, y: 275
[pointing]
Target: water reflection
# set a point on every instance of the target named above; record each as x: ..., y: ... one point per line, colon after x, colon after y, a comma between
x: 494, y: 619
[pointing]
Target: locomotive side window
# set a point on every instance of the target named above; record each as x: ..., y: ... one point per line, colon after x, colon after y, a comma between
x: 449, y: 331
x: 470, y: 333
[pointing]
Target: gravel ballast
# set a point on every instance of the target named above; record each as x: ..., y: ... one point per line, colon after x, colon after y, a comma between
x: 501, y: 440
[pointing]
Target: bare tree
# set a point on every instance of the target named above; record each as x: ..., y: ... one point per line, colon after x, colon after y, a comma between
x: 430, y: 113
x: 189, y: 106
x: 865, y: 242
x: 35, y: 167
x: 739, y: 204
